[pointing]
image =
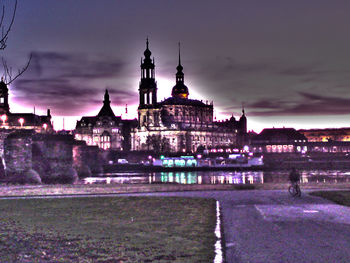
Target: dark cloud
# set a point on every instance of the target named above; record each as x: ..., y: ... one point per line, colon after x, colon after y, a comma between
x: 75, y: 65
x: 309, y: 104
x: 67, y: 83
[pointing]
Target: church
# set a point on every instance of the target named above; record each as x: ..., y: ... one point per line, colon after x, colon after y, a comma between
x: 178, y: 123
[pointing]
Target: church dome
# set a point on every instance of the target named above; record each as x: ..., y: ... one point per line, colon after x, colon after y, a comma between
x: 180, y: 91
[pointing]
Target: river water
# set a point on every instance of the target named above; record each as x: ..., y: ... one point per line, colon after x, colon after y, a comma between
x: 219, y: 177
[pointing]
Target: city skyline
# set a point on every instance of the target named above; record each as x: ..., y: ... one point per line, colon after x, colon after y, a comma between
x: 285, y: 62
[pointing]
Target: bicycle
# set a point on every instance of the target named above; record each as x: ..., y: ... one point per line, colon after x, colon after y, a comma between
x: 294, y: 190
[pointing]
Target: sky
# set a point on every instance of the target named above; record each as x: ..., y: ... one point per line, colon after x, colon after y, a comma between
x: 286, y: 62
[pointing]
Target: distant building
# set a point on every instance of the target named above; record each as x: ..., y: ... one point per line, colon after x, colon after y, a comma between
x: 105, y: 130
x: 288, y: 140
x: 9, y: 120
x: 324, y: 135
x: 178, y: 124
x: 279, y: 140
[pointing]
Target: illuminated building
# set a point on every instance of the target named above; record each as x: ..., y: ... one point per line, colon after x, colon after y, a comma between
x: 178, y: 124
x: 279, y: 140
x: 30, y: 121
x: 324, y: 135
x: 105, y: 130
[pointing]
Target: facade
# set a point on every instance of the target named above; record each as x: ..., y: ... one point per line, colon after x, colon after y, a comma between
x: 178, y: 124
x: 324, y: 135
x: 30, y: 121
x: 279, y: 140
x: 288, y: 140
x: 105, y: 130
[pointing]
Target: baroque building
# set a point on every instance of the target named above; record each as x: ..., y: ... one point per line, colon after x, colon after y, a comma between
x: 178, y: 123
x: 105, y: 130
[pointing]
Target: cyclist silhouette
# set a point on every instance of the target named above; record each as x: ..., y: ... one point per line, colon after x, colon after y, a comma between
x: 294, y: 178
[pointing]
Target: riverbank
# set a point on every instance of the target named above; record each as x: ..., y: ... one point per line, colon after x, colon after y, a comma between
x: 82, y: 189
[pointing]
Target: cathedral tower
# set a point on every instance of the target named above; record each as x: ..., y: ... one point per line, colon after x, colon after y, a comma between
x: 180, y: 90
x: 148, y: 85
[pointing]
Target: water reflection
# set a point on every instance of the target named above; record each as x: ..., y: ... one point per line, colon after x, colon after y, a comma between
x: 219, y: 177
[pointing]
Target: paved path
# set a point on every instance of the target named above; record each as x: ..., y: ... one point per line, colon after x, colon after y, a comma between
x: 270, y: 226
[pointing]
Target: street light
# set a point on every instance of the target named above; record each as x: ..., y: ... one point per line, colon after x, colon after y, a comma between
x: 45, y: 126
x: 3, y: 118
x: 21, y: 121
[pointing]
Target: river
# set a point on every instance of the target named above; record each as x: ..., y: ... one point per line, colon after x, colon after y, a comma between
x: 220, y: 177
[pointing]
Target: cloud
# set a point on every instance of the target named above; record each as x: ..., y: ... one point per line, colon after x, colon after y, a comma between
x: 79, y: 66
x: 70, y: 84
x: 308, y: 104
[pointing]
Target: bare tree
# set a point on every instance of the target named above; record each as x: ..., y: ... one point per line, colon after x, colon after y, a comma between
x: 9, y: 75
x: 5, y: 30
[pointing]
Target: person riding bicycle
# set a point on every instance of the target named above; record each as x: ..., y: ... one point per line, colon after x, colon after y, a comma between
x: 294, y: 176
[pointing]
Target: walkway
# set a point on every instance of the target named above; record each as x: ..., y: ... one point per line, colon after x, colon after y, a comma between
x: 270, y: 226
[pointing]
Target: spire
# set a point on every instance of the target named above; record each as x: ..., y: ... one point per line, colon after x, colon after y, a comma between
x: 179, y: 73
x: 106, y: 109
x: 180, y: 90
x: 179, y: 54
x: 147, y: 52
x: 106, y: 98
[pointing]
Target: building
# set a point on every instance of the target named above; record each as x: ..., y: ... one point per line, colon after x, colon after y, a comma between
x: 178, y: 123
x: 279, y: 140
x: 105, y: 130
x: 324, y: 135
x: 30, y: 121
x: 288, y: 140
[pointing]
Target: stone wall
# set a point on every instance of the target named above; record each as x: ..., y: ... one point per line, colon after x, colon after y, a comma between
x: 87, y: 159
x: 53, y: 157
x: 18, y: 152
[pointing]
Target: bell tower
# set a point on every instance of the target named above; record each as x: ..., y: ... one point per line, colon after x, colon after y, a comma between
x: 4, y: 94
x: 148, y: 85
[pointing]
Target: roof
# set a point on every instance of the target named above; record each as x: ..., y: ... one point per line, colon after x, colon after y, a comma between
x: 183, y: 101
x: 279, y: 135
x: 86, y: 121
x: 106, y: 110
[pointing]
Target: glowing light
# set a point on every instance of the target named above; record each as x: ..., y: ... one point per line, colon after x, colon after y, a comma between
x: 3, y: 118
x: 45, y: 126
x: 21, y: 121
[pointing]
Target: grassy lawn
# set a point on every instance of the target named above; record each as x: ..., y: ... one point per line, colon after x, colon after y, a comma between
x: 339, y: 197
x: 107, y: 229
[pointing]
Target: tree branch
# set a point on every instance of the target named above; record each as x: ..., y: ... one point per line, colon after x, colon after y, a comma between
x: 5, y: 36
x: 8, y: 71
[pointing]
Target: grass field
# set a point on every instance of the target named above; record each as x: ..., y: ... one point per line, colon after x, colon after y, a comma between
x: 107, y: 229
x: 339, y: 197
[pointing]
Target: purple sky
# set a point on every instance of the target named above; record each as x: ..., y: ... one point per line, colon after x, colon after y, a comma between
x: 288, y: 62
